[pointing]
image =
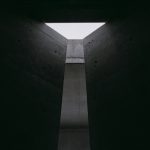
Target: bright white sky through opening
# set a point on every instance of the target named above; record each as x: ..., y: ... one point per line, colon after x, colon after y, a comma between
x: 75, y: 30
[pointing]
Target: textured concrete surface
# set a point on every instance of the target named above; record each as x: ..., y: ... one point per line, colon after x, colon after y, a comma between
x: 74, y: 132
x: 75, y: 52
x: 74, y: 101
x: 74, y: 139
x: 117, y: 84
x: 32, y: 60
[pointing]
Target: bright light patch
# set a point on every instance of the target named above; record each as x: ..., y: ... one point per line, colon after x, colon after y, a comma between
x: 75, y: 30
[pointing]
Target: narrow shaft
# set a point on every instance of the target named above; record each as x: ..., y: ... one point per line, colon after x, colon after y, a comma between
x: 74, y: 133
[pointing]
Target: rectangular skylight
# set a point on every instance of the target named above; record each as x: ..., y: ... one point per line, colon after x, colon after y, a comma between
x: 75, y: 30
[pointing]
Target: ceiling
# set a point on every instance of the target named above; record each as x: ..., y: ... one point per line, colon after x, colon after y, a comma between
x: 73, y: 10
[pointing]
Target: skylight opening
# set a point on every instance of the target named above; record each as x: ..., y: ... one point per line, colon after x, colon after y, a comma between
x: 75, y: 30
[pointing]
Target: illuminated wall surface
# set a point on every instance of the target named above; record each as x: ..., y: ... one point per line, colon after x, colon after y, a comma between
x: 74, y: 132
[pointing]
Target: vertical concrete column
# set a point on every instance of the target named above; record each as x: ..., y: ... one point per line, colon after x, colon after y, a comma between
x: 74, y: 133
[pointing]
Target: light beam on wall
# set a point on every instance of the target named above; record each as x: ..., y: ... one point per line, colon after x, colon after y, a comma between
x: 75, y: 30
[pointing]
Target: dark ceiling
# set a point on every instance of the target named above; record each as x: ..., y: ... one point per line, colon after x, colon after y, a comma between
x: 74, y: 10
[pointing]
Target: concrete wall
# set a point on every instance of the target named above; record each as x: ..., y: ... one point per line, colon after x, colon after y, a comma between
x: 74, y: 102
x: 32, y: 60
x: 117, y: 65
x: 75, y: 53
x: 74, y: 132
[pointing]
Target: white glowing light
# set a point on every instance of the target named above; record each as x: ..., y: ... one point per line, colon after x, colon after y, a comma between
x: 75, y: 30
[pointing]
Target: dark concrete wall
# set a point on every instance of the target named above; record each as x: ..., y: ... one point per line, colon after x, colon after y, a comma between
x: 73, y: 139
x: 117, y: 65
x: 32, y: 60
